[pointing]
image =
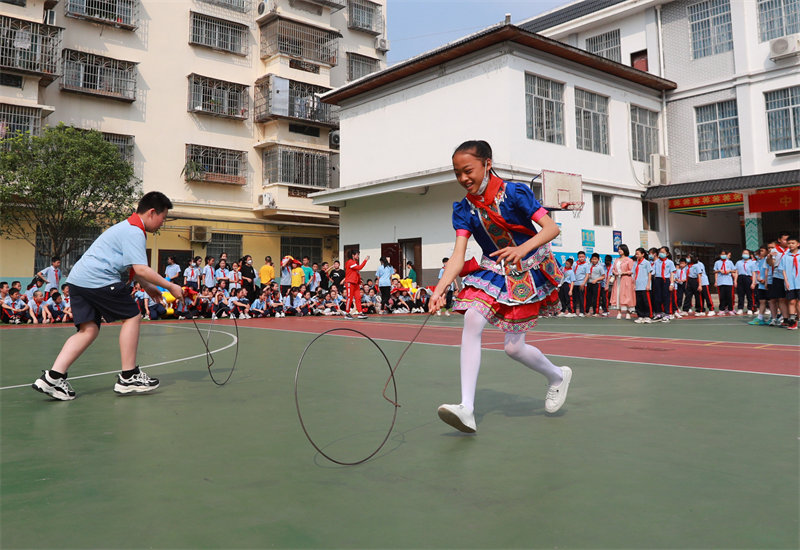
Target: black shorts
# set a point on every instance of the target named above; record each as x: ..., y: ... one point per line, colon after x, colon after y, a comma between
x: 763, y: 294
x: 777, y: 290
x: 110, y: 302
x: 793, y: 294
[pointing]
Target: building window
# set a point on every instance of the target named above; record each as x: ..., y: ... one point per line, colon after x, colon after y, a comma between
x: 360, y: 65
x: 97, y: 75
x: 602, y: 209
x: 79, y: 245
x: 710, y: 26
x: 591, y: 121
x: 119, y: 13
x: 123, y: 143
x: 299, y: 247
x: 366, y: 16
x: 778, y: 18
x: 544, y: 109
x: 29, y: 47
x: 235, y: 5
x: 717, y: 130
x: 218, y: 34
x: 279, y: 97
x: 283, y: 37
x: 15, y: 119
x: 605, y: 45
x: 10, y: 80
x: 228, y: 243
x: 217, y: 97
x: 783, y: 118
x: 296, y: 166
x: 215, y: 165
x: 650, y: 216
x: 644, y: 133
x: 20, y: 3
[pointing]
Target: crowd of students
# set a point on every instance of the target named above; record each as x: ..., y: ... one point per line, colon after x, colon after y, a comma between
x: 652, y: 287
x: 648, y: 287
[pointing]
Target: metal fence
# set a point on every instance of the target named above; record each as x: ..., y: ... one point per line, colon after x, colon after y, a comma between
x: 280, y: 36
x: 366, y: 16
x: 218, y: 97
x: 98, y: 75
x: 214, y: 164
x: 296, y: 166
x: 15, y: 119
x: 119, y: 13
x: 219, y: 34
x: 279, y: 97
x: 29, y: 47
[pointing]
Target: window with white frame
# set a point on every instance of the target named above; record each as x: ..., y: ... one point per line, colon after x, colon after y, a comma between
x: 710, y: 26
x: 218, y: 34
x: 778, y: 18
x: 644, y: 133
x: 783, y: 118
x: 544, y: 109
x: 229, y: 243
x: 602, y: 209
x: 605, y: 45
x: 591, y: 121
x: 717, y: 130
x: 650, y: 216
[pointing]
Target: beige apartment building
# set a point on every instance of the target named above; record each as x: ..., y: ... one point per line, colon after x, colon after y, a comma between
x: 215, y: 102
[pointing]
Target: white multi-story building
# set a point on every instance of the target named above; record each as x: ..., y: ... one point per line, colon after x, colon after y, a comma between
x: 215, y: 102
x: 542, y: 105
x: 733, y: 123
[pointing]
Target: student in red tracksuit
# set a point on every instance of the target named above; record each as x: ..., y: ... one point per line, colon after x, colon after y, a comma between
x: 352, y: 280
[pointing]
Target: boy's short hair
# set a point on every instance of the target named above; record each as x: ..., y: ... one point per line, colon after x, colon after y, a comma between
x: 55, y: 296
x: 445, y: 260
x: 3, y: 284
x: 581, y: 252
x: 55, y: 259
x: 65, y: 285
x: 39, y: 292
x: 595, y: 255
x: 568, y: 261
x: 155, y: 200
x: 14, y: 283
x: 12, y: 291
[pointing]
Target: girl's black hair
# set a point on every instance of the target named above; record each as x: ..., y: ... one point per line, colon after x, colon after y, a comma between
x: 642, y: 250
x: 479, y: 149
x: 623, y: 248
x: 666, y: 249
x: 384, y: 261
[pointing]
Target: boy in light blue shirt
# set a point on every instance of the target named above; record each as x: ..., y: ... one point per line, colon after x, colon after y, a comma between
x: 790, y: 265
x: 581, y: 269
x: 51, y: 275
x: 642, y: 275
x: 98, y: 289
x: 725, y: 280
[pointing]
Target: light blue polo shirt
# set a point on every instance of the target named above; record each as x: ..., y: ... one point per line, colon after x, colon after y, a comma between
x: 596, y: 272
x: 172, y: 271
x: 581, y: 270
x: 208, y: 277
x: 52, y: 277
x: 788, y: 267
x: 764, y: 273
x: 569, y: 276
x: 703, y: 274
x: 667, y: 265
x: 724, y: 279
x: 641, y: 275
x: 109, y: 259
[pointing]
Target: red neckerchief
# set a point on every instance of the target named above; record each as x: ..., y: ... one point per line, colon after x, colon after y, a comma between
x: 134, y: 219
x: 55, y: 269
x: 780, y: 249
x: 38, y: 310
x: 636, y: 273
x: 794, y: 262
x: 663, y: 265
x: 481, y: 201
x: 724, y: 267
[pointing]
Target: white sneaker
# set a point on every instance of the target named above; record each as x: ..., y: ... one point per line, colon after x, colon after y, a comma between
x: 213, y: 316
x: 619, y: 315
x: 556, y: 395
x: 580, y: 315
x: 458, y: 417
x: 439, y: 313
x: 447, y: 313
x: 701, y: 314
x: 711, y: 313
x: 739, y: 312
x: 628, y: 316
x: 751, y: 312
x: 639, y: 320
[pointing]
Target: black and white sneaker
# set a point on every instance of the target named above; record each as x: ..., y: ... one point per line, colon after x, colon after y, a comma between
x: 57, y: 388
x: 138, y: 383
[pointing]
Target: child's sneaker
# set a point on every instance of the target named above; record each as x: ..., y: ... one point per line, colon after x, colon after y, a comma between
x: 458, y: 417
x: 711, y: 313
x: 57, y: 388
x: 139, y: 382
x: 557, y: 395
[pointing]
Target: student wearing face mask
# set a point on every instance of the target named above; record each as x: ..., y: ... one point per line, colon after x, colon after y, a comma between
x: 744, y: 283
x: 248, y: 276
x: 725, y: 281
x: 663, y: 285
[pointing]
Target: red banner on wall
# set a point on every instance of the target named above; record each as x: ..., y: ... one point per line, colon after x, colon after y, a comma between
x: 773, y: 200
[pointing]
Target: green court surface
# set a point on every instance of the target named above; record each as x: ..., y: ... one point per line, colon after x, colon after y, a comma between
x: 642, y: 455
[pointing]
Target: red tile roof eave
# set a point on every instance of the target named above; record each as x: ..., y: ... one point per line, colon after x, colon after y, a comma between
x: 505, y: 33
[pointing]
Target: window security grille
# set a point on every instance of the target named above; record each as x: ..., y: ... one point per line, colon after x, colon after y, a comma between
x: 360, y: 65
x: 279, y: 97
x: 97, y: 75
x: 717, y: 130
x: 544, y: 109
x: 783, y: 118
x: 124, y: 144
x: 243, y: 6
x: 365, y: 16
x: 29, y: 47
x: 119, y: 13
x: 15, y: 119
x: 591, y: 121
x: 216, y: 165
x: 296, y: 166
x: 299, y: 247
x: 644, y: 133
x: 229, y: 243
x: 218, y: 34
x: 778, y: 18
x: 217, y: 97
x: 280, y: 36
x: 605, y: 45
x: 602, y: 209
x: 710, y: 25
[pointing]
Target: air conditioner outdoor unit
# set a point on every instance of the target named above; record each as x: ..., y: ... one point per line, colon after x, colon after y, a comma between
x: 201, y: 234
x: 334, y: 139
x: 659, y: 170
x: 50, y: 17
x: 265, y: 6
x: 381, y: 44
x: 785, y: 46
x: 266, y: 200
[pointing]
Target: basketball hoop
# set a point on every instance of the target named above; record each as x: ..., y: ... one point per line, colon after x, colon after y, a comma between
x: 575, y: 207
x: 562, y: 191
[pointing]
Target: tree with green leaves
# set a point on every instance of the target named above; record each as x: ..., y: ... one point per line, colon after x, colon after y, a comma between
x: 62, y: 183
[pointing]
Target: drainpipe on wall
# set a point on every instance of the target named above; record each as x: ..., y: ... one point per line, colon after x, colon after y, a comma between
x: 661, y: 74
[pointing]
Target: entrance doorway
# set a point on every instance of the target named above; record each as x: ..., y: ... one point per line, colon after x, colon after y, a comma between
x: 411, y: 251
x: 182, y: 258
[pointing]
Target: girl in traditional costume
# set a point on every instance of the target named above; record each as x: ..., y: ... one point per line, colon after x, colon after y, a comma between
x: 516, y: 276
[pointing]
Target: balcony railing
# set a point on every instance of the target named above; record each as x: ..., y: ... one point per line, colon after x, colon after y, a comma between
x: 277, y: 97
x: 366, y: 16
x: 214, y: 97
x: 215, y: 165
x: 242, y: 6
x: 296, y: 166
x: 97, y: 75
x: 334, y: 5
x: 218, y: 34
x: 117, y: 13
x: 280, y: 36
x: 30, y: 48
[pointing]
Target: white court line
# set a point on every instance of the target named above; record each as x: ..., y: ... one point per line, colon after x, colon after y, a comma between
x: 552, y: 354
x: 235, y: 340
